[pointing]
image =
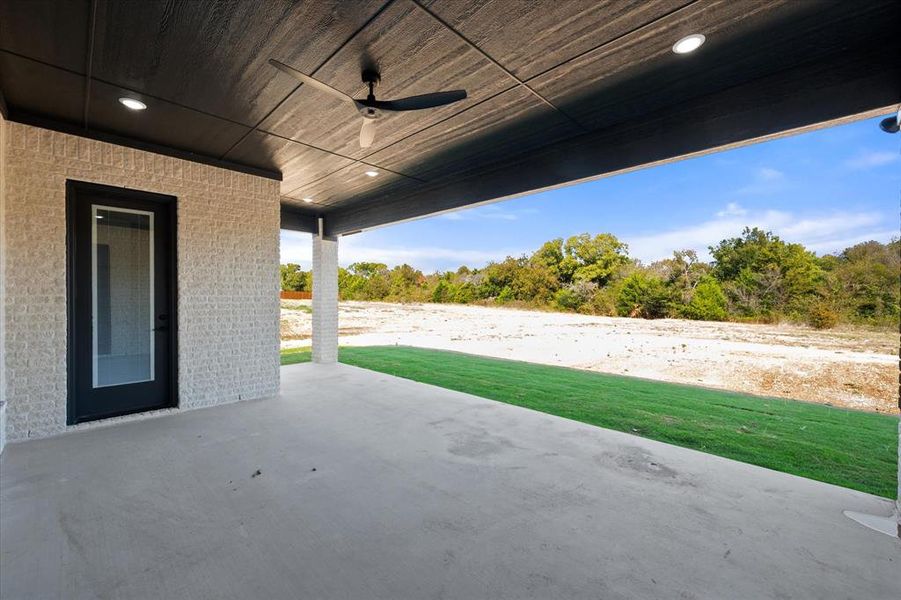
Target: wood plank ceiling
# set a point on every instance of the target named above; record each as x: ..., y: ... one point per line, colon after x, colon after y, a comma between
x: 587, y: 80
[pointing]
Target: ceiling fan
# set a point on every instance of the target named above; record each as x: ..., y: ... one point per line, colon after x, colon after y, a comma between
x: 370, y: 108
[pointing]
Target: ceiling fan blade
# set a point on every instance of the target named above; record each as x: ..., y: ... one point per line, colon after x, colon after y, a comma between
x: 420, y: 102
x: 367, y: 133
x: 310, y: 81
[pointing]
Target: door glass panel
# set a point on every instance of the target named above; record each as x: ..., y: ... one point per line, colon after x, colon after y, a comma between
x: 122, y: 302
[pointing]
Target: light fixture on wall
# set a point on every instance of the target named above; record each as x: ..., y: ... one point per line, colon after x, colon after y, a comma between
x: 132, y: 104
x: 308, y: 200
x: 371, y: 173
x: 689, y: 43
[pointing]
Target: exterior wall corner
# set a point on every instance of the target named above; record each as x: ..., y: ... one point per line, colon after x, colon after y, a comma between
x: 227, y: 242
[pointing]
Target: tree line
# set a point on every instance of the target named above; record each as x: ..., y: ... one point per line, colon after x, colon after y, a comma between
x: 754, y: 277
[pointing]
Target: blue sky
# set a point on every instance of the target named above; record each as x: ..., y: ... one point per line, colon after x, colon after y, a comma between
x: 827, y: 189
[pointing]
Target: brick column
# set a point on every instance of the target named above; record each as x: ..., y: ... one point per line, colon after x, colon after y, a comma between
x: 3, y: 127
x: 325, y: 299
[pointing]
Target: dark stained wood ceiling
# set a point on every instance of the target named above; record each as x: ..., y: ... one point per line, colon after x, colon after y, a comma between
x: 557, y: 90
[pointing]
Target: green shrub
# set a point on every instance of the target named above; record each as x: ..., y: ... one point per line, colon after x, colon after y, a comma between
x: 295, y: 279
x: 708, y: 302
x: 575, y: 295
x: 464, y: 293
x: 567, y: 299
x: 643, y: 295
x: 506, y: 295
x: 442, y: 292
x: 602, y: 302
x: 821, y: 316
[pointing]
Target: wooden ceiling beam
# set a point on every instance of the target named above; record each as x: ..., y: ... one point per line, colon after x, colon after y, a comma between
x: 89, y: 59
x: 294, y: 219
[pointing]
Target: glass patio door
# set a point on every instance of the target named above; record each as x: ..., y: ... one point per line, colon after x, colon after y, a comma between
x: 120, y: 325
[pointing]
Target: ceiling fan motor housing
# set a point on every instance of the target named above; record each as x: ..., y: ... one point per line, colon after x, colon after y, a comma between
x: 370, y: 108
x: 372, y: 79
x: 369, y: 112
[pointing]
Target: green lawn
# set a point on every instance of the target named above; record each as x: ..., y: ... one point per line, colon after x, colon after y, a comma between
x: 849, y: 448
x: 292, y: 356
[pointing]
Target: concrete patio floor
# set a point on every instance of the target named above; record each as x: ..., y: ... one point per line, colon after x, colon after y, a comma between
x: 376, y: 487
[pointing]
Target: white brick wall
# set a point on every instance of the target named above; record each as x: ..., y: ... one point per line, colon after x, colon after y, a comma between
x: 325, y: 299
x: 3, y: 126
x: 228, y: 252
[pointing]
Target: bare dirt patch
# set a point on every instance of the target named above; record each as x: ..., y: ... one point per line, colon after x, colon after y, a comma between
x: 848, y: 367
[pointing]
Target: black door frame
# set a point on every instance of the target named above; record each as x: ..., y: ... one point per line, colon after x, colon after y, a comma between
x: 73, y: 189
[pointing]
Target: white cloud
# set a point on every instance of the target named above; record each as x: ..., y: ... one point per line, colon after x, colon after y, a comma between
x: 501, y: 216
x: 770, y: 174
x: 297, y: 248
x: 767, y: 180
x: 494, y: 212
x: 871, y: 159
x: 822, y: 233
x: 733, y: 209
x: 425, y: 258
x: 836, y: 245
x: 817, y: 228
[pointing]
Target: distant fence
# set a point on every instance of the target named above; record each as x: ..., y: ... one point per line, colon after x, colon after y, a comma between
x: 296, y: 295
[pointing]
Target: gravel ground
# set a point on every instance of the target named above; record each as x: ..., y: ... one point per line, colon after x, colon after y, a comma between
x: 849, y: 367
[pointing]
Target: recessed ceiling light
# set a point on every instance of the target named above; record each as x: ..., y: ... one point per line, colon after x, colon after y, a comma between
x: 308, y: 200
x: 371, y: 173
x: 132, y: 103
x: 689, y: 43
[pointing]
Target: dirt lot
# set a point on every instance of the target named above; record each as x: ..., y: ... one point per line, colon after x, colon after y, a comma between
x: 854, y: 368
